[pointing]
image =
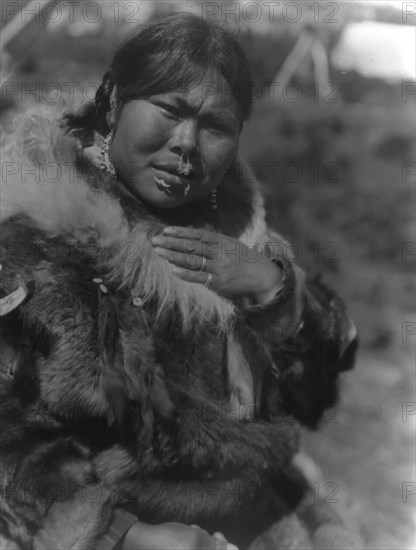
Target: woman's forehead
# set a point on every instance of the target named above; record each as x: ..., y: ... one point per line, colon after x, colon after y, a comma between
x: 211, y: 93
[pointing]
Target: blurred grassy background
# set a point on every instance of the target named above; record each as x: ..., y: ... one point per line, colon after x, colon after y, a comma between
x: 332, y: 173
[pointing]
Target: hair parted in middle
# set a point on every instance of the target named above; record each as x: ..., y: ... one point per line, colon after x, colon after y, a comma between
x: 170, y: 53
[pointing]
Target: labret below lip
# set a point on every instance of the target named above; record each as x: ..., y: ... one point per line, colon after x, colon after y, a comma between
x: 168, y: 187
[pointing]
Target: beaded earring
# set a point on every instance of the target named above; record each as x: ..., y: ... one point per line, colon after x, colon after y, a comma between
x: 105, y: 164
x: 214, y: 202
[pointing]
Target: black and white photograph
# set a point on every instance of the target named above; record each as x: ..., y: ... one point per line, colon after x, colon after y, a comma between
x: 207, y: 291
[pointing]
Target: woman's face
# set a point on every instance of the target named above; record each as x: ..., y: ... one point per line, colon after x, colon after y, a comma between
x: 150, y: 135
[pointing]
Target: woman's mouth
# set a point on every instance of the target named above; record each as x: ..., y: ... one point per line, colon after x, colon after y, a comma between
x: 170, y: 183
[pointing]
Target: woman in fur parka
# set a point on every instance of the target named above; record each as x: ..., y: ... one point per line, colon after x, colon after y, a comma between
x: 159, y: 349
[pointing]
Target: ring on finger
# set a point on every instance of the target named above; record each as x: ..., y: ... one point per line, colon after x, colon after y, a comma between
x: 204, y: 264
x: 209, y: 280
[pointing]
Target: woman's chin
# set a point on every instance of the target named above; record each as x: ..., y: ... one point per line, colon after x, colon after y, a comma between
x: 158, y: 193
x: 156, y: 196
x: 161, y: 199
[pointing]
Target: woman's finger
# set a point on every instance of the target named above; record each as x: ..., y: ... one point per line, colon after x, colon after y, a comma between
x: 188, y: 261
x: 191, y: 246
x: 191, y: 233
x: 202, y: 277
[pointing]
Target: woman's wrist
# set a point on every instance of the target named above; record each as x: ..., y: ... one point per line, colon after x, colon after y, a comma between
x: 285, y: 309
x: 274, y: 283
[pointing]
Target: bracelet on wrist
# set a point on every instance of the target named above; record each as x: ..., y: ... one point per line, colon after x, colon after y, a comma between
x: 285, y: 289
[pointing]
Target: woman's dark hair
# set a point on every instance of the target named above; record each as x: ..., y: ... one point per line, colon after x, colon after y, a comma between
x: 168, y: 54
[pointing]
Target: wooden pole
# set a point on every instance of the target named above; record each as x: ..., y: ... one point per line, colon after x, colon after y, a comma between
x: 294, y: 58
x: 17, y: 24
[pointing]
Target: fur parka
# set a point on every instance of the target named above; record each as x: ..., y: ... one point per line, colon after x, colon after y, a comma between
x: 123, y: 386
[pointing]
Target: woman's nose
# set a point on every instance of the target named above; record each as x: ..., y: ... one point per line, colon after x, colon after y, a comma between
x: 185, y: 138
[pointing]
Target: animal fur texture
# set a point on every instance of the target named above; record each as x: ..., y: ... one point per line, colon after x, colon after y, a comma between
x: 106, y: 403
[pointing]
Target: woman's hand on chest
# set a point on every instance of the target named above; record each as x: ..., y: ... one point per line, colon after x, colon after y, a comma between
x: 224, y: 264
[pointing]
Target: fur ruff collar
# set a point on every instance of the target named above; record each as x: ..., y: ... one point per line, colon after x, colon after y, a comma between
x: 40, y: 182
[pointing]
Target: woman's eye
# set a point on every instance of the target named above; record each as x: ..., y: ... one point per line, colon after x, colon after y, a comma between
x: 221, y: 128
x: 171, y: 109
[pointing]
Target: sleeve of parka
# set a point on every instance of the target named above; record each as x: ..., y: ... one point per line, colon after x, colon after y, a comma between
x: 309, y: 334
